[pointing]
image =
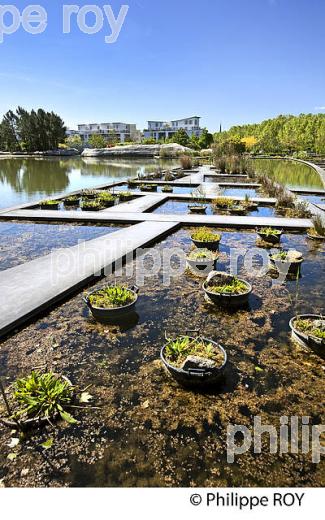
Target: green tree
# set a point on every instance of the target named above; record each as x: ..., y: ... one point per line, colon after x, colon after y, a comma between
x: 180, y: 137
x: 8, y: 133
x: 74, y: 141
x: 206, y: 139
x: 97, y: 141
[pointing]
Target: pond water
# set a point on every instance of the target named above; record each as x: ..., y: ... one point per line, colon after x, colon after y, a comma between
x: 24, y: 180
x: 181, y: 208
x: 290, y: 173
x: 240, y: 192
x: 21, y: 242
x: 142, y: 428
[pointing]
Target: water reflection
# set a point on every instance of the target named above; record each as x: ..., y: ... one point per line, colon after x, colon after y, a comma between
x: 23, y: 180
x: 289, y: 173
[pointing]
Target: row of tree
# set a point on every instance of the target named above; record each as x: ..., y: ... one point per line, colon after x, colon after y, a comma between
x: 283, y: 134
x: 33, y: 131
x: 181, y: 137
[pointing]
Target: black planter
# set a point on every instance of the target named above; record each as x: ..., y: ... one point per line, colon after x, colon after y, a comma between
x: 202, y: 266
x: 196, y: 377
x: 227, y: 300
x: 49, y: 206
x: 197, y: 209
x: 316, y: 344
x: 112, y: 315
x: 271, y: 239
x: 211, y: 246
x: 108, y: 203
x: 291, y: 268
x: 71, y: 203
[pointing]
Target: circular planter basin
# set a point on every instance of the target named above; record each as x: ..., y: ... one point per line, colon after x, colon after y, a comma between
x: 271, y: 239
x: 201, y: 266
x: 49, y: 206
x: 289, y: 266
x: 108, y: 203
x: 112, y: 315
x: 315, y: 237
x: 225, y: 299
x: 305, y: 339
x: 125, y: 198
x: 71, y: 202
x: 197, y: 209
x: 197, y: 377
x: 148, y: 188
x: 167, y: 190
x: 211, y: 246
x: 97, y: 208
x: 238, y: 210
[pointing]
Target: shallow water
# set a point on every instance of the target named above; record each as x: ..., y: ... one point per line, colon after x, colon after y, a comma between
x: 146, y: 429
x: 24, y: 180
x: 21, y: 242
x: 181, y: 208
x: 289, y: 173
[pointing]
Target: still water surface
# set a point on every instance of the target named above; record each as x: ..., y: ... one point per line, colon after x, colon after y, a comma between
x: 24, y: 180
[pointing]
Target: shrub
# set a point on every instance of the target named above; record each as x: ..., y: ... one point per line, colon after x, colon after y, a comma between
x: 186, y: 162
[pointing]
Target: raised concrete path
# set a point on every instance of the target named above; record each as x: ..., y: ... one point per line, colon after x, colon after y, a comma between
x: 30, y: 288
x: 308, y: 191
x: 141, y: 204
x: 130, y: 218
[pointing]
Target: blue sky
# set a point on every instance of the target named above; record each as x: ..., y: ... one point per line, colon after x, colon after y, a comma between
x: 230, y: 61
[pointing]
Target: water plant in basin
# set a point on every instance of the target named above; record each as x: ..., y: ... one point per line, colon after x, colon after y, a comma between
x: 90, y: 194
x: 92, y: 205
x: 311, y: 327
x: 148, y: 187
x: 202, y: 261
x: 167, y: 189
x: 198, y: 199
x: 203, y: 237
x: 106, y: 199
x: 194, y: 361
x: 309, y: 330
x: 226, y: 289
x: 125, y: 195
x: 248, y: 203
x: 72, y: 201
x: 112, y: 302
x: 317, y: 232
x: 269, y: 234
x: 40, y: 397
x: 223, y: 202
x: 50, y: 204
x: 178, y: 350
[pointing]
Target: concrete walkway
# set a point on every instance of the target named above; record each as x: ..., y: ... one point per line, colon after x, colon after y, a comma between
x: 130, y: 218
x: 141, y: 204
x: 30, y: 288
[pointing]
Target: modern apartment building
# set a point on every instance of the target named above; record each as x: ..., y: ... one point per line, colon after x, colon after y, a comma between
x: 166, y: 129
x: 110, y: 131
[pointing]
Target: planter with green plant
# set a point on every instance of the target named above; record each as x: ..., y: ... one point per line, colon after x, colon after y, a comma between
x: 72, y: 201
x: 167, y: 189
x: 90, y: 194
x: 148, y: 187
x: 249, y: 204
x: 317, y: 232
x: 112, y: 302
x: 238, y: 209
x: 202, y: 261
x: 106, y: 199
x: 49, y: 204
x: 194, y: 361
x: 223, y: 203
x: 226, y: 290
x: 286, y: 262
x: 205, y: 238
x: 92, y: 205
x: 125, y: 196
x: 270, y: 235
x: 309, y: 330
x: 37, y: 399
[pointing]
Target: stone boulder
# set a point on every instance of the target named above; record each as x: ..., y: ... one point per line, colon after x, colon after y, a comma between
x: 138, y: 150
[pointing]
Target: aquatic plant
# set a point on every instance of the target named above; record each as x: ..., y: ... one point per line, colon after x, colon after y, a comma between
x: 43, y: 395
x: 148, y: 187
x: 300, y: 210
x: 311, y: 327
x: 220, y: 164
x: 270, y: 232
x: 318, y: 228
x: 223, y: 202
x: 123, y: 195
x: 94, y: 205
x: 235, y: 286
x: 186, y: 162
x: 204, y: 234
x: 73, y: 200
x: 112, y: 297
x: 202, y: 254
x: 49, y: 203
x: 167, y: 189
x: 179, y: 349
